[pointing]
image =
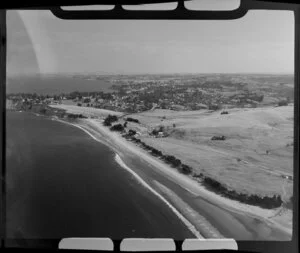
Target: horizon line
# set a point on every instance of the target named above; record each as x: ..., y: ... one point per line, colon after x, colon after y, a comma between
x: 149, y: 73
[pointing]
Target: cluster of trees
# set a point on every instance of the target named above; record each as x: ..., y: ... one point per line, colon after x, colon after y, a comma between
x: 185, y: 169
x: 131, y: 132
x: 76, y: 116
x: 214, y: 107
x: 218, y: 138
x: 94, y: 94
x: 156, y: 131
x: 283, y: 103
x: 74, y: 94
x: 132, y: 120
x: 110, y: 119
x: 253, y: 199
x: 224, y: 112
x: 153, y: 97
x: 117, y: 127
x: 258, y: 98
x: 172, y: 160
x: 200, y: 175
x: 86, y: 100
x: 169, y: 159
x: 43, y: 110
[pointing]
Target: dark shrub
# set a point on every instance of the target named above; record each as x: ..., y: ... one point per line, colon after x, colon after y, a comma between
x: 224, y: 112
x: 185, y: 169
x: 137, y: 140
x: 110, y: 119
x: 82, y: 116
x: 218, y: 138
x: 155, y: 132
x: 156, y: 152
x: 106, y: 123
x: 131, y: 132
x: 43, y: 110
x: 200, y: 175
x: 75, y: 116
x: 72, y: 116
x: 214, y: 184
x: 132, y: 120
x: 172, y: 160
x: 283, y: 103
x: 214, y: 107
x: 253, y: 199
x: 118, y: 127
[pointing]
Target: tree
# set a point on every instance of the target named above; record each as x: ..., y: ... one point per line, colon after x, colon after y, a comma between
x: 185, y: 169
x: 118, y: 127
x: 155, y: 132
x: 283, y: 103
x: 110, y: 119
x: 43, y: 110
x: 131, y: 132
x: 214, y: 107
x: 132, y: 120
x: 260, y: 98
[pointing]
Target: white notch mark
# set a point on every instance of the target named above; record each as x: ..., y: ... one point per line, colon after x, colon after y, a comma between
x: 141, y: 244
x: 151, y: 7
x: 212, y: 5
x: 87, y: 244
x: 88, y: 8
x: 209, y: 244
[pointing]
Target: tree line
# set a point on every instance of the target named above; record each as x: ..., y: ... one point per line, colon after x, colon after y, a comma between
x: 210, y: 183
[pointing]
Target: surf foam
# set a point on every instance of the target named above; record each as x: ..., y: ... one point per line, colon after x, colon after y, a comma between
x: 118, y: 159
x: 189, y: 225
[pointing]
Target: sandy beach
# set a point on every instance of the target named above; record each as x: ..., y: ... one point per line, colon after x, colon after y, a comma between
x: 275, y: 218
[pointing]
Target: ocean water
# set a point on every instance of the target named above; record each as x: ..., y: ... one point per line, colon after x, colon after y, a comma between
x: 62, y: 183
x: 54, y: 85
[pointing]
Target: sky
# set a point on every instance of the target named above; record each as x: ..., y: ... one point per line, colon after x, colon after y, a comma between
x: 260, y: 42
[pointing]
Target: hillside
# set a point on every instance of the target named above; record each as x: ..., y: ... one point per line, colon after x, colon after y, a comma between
x: 255, y: 157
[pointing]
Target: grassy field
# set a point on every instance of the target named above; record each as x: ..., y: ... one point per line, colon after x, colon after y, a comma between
x: 257, y: 152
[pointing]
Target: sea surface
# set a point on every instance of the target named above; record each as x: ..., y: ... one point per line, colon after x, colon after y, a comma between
x: 62, y: 183
x: 49, y: 85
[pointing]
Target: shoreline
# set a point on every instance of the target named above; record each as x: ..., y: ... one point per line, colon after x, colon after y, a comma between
x: 271, y: 219
x: 120, y: 146
x: 122, y: 164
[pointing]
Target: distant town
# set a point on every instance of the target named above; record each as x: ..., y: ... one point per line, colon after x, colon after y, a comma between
x: 133, y: 94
